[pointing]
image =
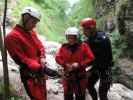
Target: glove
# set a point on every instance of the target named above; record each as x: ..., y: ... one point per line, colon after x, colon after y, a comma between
x: 51, y: 73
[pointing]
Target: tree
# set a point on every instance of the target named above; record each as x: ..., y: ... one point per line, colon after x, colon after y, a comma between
x: 4, y: 56
x: 82, y: 9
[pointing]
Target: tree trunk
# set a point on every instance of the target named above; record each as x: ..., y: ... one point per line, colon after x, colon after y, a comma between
x: 4, y: 57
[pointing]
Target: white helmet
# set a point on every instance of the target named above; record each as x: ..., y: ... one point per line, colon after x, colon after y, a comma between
x: 32, y: 11
x: 72, y: 31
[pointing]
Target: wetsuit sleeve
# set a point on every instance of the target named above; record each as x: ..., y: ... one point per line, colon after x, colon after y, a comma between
x: 88, y: 55
x: 40, y: 46
x: 17, y: 53
x: 59, y: 58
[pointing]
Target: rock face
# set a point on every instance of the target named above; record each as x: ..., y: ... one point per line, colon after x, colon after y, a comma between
x: 117, y: 92
x: 103, y: 7
x: 120, y: 92
x: 116, y: 15
x: 125, y: 73
x: 125, y: 21
x: 105, y: 14
x: 125, y: 27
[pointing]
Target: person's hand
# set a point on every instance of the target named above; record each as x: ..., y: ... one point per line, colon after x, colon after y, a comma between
x: 34, y: 65
x: 69, y: 67
x: 75, y: 65
x: 43, y: 62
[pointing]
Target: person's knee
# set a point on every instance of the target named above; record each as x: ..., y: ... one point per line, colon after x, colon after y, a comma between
x: 68, y: 98
x: 104, y: 85
x: 91, y: 83
x: 91, y: 87
x: 103, y: 96
x: 103, y: 90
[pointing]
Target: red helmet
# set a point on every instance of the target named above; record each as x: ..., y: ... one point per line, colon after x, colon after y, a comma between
x: 88, y: 22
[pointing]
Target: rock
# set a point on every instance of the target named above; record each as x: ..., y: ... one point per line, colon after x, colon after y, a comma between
x: 103, y: 7
x: 54, y: 86
x: 125, y: 24
x: 51, y: 62
x: 51, y: 47
x: 125, y: 72
x: 16, y: 86
x: 110, y: 24
x: 117, y: 91
x: 120, y: 92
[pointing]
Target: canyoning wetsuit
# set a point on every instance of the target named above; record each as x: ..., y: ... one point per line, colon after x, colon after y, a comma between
x: 26, y: 50
x: 74, y: 82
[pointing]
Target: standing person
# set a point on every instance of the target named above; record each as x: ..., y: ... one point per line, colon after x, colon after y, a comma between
x: 74, y: 57
x: 101, y: 66
x: 28, y: 52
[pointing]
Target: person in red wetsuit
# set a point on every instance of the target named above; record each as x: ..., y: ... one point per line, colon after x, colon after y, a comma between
x: 74, y: 56
x: 28, y: 52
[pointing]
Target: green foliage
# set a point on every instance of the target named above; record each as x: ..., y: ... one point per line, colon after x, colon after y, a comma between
x: 1, y: 7
x: 82, y: 9
x: 118, y: 45
x: 100, y: 23
x: 1, y: 87
x: 57, y: 15
x: 53, y: 22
